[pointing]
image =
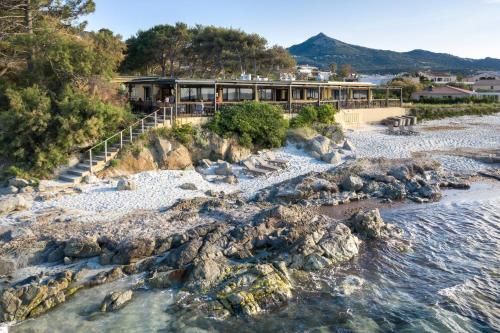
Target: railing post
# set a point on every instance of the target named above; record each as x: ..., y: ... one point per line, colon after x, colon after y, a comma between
x: 164, y: 115
x: 156, y: 118
x: 105, y: 150
x: 131, y: 136
x: 121, y: 139
x: 171, y: 116
x: 142, y: 125
x: 90, y: 158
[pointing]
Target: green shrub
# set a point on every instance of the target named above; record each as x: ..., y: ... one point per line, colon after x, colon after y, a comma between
x: 40, y: 131
x: 309, y: 115
x: 253, y: 123
x: 184, y: 134
x: 114, y: 163
x: 439, y: 111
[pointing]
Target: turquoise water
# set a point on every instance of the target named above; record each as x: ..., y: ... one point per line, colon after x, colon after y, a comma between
x: 449, y: 282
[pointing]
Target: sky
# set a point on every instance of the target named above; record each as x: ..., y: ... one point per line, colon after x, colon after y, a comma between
x: 466, y: 28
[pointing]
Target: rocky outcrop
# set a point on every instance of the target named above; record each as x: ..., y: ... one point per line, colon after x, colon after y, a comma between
x: 369, y: 224
x: 178, y: 158
x: 82, y: 248
x: 116, y: 300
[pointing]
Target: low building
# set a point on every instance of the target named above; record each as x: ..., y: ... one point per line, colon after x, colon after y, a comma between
x: 490, y: 75
x: 146, y: 93
x: 439, y: 78
x: 441, y: 92
x: 487, y: 86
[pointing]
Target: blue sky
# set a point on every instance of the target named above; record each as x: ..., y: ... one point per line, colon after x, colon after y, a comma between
x: 467, y: 28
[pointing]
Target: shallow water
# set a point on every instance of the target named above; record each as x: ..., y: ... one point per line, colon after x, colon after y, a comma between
x: 448, y: 282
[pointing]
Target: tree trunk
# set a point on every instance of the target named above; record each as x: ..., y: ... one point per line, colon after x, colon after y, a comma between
x: 172, y: 74
x: 28, y: 21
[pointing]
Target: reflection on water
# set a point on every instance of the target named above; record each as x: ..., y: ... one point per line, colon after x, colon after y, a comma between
x: 449, y: 282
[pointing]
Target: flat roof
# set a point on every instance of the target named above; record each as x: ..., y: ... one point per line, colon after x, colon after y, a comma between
x: 164, y: 80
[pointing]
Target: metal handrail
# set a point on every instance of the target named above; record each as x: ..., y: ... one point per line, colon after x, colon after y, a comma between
x: 130, y: 130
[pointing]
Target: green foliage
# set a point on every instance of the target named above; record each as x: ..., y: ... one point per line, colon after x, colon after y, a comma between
x: 184, y: 134
x: 408, y: 86
x: 39, y: 133
x: 460, y: 100
x: 309, y: 115
x: 114, y: 163
x: 439, y: 111
x: 255, y: 124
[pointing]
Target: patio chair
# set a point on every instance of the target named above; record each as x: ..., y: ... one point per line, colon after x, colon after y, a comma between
x: 271, y: 158
x: 265, y: 165
x: 250, y: 167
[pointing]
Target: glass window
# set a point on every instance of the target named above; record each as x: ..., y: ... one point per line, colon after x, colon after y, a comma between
x: 230, y: 94
x: 265, y: 94
x: 297, y: 93
x: 206, y: 94
x: 312, y: 93
x: 246, y: 93
x: 360, y: 94
x: 147, y: 93
x: 185, y: 94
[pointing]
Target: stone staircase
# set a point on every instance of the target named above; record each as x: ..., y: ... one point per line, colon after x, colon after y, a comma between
x: 96, y: 158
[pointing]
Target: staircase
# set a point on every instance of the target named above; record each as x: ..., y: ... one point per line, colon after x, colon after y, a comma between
x: 96, y: 158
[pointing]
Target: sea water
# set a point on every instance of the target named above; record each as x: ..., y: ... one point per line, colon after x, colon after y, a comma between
x: 447, y: 282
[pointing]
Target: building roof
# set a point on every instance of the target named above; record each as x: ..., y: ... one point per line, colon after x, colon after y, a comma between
x: 443, y: 90
x: 487, y: 83
x: 164, y: 80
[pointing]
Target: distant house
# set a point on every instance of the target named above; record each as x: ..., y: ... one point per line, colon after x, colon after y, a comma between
x: 487, y: 86
x: 439, y: 78
x: 443, y: 92
x: 484, y: 76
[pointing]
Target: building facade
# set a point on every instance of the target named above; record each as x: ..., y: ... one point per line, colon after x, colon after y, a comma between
x: 441, y: 92
x: 190, y: 96
x: 487, y: 86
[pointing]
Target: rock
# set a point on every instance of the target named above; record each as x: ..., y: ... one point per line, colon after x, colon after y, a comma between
x: 14, y: 203
x: 237, y: 153
x: 188, y: 186
x: 82, y: 248
x: 369, y: 224
x: 348, y: 145
x: 315, y: 262
x: 116, y: 300
x: 90, y: 179
x: 67, y: 261
x: 230, y: 180
x: 218, y: 146
x: 184, y: 254
x: 177, y: 159
x: 205, y: 163
x: 163, y: 147
x: 126, y: 185
x: 319, y: 144
x: 319, y: 185
x: 332, y: 157
x: 431, y: 192
x: 351, y: 284
x: 224, y: 169
x: 163, y: 280
x: 401, y: 173
x: 352, y: 183
x: 18, y: 182
x: 131, y: 250
x: 10, y: 190
x: 7, y: 266
x: 27, y: 189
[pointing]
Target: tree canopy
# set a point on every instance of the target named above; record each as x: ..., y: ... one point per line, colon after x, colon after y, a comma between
x: 202, y: 51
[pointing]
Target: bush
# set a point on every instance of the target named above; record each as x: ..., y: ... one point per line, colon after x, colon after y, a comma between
x: 39, y: 132
x: 184, y: 134
x: 309, y: 115
x: 255, y: 124
x: 439, y: 111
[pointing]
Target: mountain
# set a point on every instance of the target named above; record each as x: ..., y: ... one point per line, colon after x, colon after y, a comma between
x: 322, y: 50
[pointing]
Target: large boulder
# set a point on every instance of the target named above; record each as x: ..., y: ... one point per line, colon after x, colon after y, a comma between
x: 7, y: 265
x: 131, y: 250
x: 163, y: 147
x: 116, y: 300
x: 332, y: 157
x: 224, y: 169
x: 237, y: 153
x: 352, y: 183
x: 14, y: 203
x: 82, y: 248
x: 369, y: 224
x: 348, y: 145
x: 218, y: 146
x: 163, y: 280
x: 178, y: 158
x: 126, y: 185
x: 319, y: 144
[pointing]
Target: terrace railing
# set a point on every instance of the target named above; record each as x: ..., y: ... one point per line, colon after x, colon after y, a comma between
x: 107, y: 149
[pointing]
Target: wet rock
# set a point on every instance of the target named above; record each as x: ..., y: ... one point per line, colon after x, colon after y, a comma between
x: 189, y: 186
x: 105, y: 277
x: 431, y: 192
x: 369, y: 224
x: 351, y: 284
x: 352, y: 183
x: 116, y: 300
x: 82, y: 248
x: 169, y: 279
x: 184, y: 254
x: 126, y: 185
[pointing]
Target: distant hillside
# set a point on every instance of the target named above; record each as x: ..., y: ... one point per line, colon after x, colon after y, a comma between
x: 322, y: 50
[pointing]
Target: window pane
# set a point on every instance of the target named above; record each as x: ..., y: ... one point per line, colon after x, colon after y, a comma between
x: 246, y: 93
x: 265, y: 94
x: 312, y: 93
x: 360, y: 94
x: 297, y: 93
x: 207, y: 94
x: 185, y: 94
x: 230, y: 94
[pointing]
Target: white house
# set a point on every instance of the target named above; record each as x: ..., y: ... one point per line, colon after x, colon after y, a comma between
x: 487, y: 86
x: 439, y: 78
